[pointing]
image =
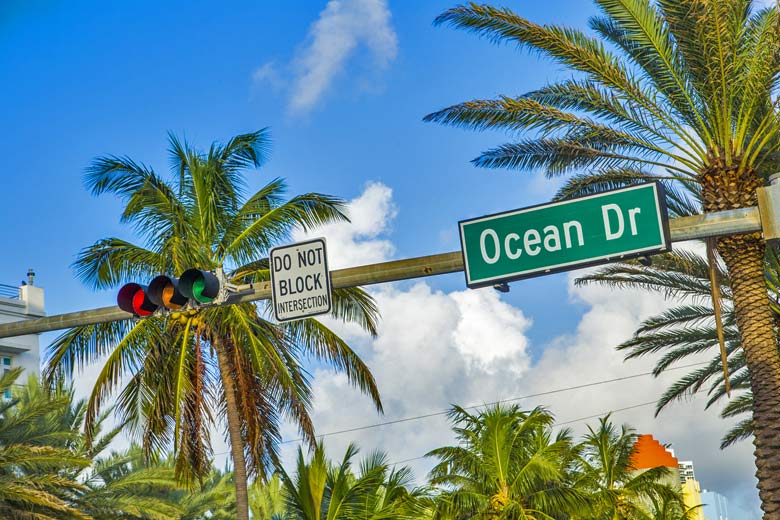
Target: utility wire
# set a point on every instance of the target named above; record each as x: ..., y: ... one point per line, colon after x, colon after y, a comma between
x: 502, y: 401
x: 572, y: 421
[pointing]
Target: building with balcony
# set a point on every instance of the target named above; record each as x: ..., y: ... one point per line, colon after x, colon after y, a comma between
x: 21, y: 303
x: 686, y: 471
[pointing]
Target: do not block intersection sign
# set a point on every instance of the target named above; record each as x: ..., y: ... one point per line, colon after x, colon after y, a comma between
x: 300, y: 281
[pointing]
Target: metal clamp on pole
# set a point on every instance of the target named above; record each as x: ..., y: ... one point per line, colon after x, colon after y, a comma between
x: 769, y: 208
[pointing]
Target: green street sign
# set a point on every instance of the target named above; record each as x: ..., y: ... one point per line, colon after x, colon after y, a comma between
x: 561, y: 236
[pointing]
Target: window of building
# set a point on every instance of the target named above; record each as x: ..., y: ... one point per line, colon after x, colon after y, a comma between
x: 6, y: 368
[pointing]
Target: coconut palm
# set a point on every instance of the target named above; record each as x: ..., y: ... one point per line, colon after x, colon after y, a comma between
x: 178, y: 373
x: 322, y: 490
x: 677, y: 89
x: 507, y: 465
x: 687, y: 330
x: 35, y: 467
x: 120, y: 485
x: 616, y: 489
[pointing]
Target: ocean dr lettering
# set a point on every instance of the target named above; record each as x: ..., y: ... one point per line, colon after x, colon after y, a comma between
x: 553, y: 238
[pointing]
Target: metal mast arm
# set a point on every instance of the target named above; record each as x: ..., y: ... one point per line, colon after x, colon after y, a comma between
x: 744, y: 220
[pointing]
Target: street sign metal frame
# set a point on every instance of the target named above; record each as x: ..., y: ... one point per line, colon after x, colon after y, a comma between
x: 328, y: 287
x: 570, y: 266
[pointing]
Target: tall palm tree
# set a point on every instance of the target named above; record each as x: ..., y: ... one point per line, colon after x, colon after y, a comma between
x: 676, y: 89
x: 176, y: 373
x: 320, y: 490
x: 507, y: 465
x: 687, y: 330
x: 36, y: 467
x: 617, y: 490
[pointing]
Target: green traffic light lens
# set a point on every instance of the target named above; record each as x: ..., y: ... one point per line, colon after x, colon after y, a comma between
x: 197, y: 291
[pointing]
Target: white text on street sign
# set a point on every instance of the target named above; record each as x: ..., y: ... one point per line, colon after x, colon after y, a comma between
x: 300, y: 281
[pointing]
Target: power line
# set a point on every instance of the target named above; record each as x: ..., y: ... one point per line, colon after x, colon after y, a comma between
x: 511, y: 399
x: 572, y: 421
x: 502, y: 401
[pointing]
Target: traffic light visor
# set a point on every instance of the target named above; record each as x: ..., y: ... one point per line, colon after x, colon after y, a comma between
x: 164, y: 291
x: 201, y: 286
x: 133, y: 298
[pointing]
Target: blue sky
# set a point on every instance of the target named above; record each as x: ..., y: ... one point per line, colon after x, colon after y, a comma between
x: 86, y: 80
x: 344, y: 91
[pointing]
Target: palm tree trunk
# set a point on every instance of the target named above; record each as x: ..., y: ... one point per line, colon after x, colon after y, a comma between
x: 234, y: 429
x: 744, y: 258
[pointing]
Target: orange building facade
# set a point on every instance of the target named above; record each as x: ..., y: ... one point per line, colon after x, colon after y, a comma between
x: 649, y: 453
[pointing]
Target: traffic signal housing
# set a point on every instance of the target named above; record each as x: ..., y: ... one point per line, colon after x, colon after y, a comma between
x: 164, y: 292
x: 201, y: 286
x: 133, y: 298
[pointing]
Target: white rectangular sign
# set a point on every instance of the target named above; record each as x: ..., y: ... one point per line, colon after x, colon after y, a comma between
x: 300, y: 281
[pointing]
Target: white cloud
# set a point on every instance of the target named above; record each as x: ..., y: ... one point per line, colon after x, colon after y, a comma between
x: 360, y: 241
x: 268, y: 73
x: 429, y: 355
x: 342, y: 28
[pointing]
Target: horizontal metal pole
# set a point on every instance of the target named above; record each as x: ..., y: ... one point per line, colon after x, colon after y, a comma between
x: 349, y: 277
x: 731, y: 222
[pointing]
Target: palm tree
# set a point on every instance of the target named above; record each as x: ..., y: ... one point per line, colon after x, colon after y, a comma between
x: 676, y: 89
x: 178, y: 373
x: 616, y: 489
x: 266, y: 499
x: 688, y: 330
x: 671, y: 508
x: 214, y: 500
x: 35, y: 467
x: 507, y: 465
x: 122, y: 485
x: 320, y: 490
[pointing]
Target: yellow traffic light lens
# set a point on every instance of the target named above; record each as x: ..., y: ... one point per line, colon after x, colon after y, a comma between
x: 167, y: 295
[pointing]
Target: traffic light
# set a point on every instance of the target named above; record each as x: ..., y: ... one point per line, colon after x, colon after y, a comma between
x: 167, y: 292
x: 134, y: 298
x: 201, y: 286
x: 164, y: 292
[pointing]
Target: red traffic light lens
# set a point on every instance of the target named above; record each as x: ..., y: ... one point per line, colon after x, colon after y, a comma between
x: 132, y: 298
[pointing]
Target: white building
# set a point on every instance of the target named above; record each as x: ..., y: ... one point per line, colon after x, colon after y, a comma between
x: 686, y: 471
x: 715, y: 506
x: 20, y: 303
